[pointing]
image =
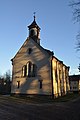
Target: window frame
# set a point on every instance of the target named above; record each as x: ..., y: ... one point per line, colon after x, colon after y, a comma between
x: 29, y: 51
x: 24, y: 71
x: 18, y: 84
x: 40, y: 84
x: 29, y: 70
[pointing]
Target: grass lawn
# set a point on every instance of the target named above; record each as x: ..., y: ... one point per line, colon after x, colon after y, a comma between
x: 68, y: 97
x: 44, y: 99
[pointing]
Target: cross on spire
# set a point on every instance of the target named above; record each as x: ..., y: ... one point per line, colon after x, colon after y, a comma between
x: 34, y: 15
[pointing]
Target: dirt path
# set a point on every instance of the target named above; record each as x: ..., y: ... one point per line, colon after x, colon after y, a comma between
x: 17, y: 110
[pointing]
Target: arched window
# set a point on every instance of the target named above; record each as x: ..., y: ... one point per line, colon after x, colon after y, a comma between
x: 29, y: 70
x: 24, y: 71
x: 32, y: 32
x: 34, y: 70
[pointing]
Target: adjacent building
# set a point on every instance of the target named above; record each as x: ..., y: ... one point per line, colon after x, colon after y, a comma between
x: 36, y: 71
x: 74, y: 81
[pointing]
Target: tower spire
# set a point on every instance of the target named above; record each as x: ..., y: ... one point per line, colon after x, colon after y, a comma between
x: 34, y: 30
x: 34, y: 15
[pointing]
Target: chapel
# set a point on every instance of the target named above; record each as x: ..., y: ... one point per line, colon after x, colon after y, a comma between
x: 36, y: 70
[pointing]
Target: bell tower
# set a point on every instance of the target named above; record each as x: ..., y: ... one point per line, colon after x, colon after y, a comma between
x: 34, y: 31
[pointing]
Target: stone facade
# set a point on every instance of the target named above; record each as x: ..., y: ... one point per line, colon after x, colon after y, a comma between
x: 60, y: 74
x: 36, y: 70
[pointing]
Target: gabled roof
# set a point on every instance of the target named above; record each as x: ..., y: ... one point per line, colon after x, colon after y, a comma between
x: 48, y: 51
x: 39, y: 46
x: 74, y: 77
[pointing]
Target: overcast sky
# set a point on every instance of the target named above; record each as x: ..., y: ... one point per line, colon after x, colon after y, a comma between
x: 58, y: 31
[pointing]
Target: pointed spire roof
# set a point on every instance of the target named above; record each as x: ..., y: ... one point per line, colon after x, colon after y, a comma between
x: 34, y: 24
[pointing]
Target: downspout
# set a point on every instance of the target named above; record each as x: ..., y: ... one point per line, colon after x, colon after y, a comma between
x: 52, y: 76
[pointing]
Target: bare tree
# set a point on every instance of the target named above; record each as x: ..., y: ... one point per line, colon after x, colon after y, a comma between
x: 7, y: 76
x: 6, y: 84
x: 75, y: 4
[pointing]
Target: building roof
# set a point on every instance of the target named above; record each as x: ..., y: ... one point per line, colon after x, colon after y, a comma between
x: 50, y: 53
x: 34, y: 24
x: 74, y: 77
